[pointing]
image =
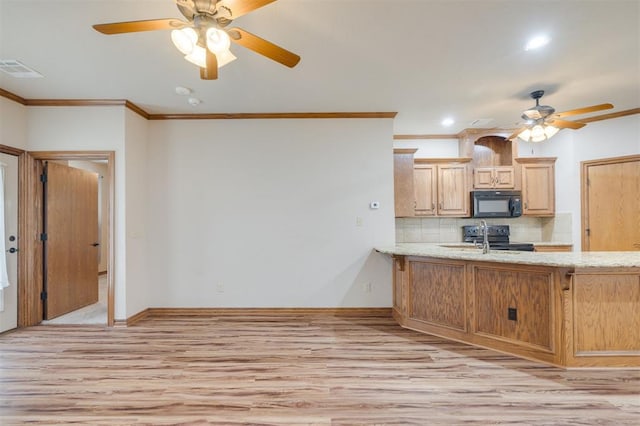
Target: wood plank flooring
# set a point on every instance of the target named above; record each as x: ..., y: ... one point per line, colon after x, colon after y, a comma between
x: 290, y: 370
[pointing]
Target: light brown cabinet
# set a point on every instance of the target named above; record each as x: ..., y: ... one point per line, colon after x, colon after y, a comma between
x: 552, y: 248
x: 494, y: 177
x: 403, y: 182
x: 575, y: 317
x: 425, y: 186
x: 538, y: 186
x: 441, y: 189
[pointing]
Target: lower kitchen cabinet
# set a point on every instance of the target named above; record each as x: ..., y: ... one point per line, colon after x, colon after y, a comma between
x: 585, y: 317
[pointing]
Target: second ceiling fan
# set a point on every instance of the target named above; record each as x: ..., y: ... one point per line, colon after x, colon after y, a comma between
x: 542, y: 121
x: 204, y: 38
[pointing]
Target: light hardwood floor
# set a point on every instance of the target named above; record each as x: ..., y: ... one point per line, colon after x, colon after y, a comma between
x: 290, y: 369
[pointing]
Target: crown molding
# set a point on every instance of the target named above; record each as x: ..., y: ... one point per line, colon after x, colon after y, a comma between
x: 13, y: 97
x: 272, y: 115
x: 406, y: 137
x: 275, y: 115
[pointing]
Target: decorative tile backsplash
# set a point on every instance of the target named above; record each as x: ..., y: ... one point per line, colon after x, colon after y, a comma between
x: 449, y: 230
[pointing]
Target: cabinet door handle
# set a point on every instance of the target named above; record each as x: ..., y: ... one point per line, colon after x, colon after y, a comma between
x: 433, y: 206
x: 440, y: 206
x: 525, y: 204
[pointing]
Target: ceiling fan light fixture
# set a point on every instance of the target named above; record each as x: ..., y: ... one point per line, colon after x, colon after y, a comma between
x: 217, y: 40
x: 198, y: 56
x: 538, y: 133
x: 225, y: 57
x: 185, y: 40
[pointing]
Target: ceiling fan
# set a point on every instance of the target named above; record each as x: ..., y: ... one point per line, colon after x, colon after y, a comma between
x: 542, y: 121
x: 204, y: 38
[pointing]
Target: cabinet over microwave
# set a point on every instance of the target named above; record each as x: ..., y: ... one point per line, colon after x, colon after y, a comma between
x: 496, y: 203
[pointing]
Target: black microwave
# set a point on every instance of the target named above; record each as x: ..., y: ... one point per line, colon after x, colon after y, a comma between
x: 496, y: 203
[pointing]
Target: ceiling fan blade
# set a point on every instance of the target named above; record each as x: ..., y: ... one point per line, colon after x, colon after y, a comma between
x: 584, y: 110
x: 242, y: 7
x: 211, y: 71
x: 516, y: 133
x: 565, y: 124
x: 138, y: 26
x: 263, y: 47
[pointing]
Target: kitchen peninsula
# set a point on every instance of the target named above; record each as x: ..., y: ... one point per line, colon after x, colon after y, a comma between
x: 572, y: 309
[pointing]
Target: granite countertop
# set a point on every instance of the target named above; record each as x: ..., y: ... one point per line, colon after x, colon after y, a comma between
x: 603, y: 259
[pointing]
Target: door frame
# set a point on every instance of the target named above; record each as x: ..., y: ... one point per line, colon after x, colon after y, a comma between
x: 30, y: 224
x: 19, y: 153
x: 584, y: 191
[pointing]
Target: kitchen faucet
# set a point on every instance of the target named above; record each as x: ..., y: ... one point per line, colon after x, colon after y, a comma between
x: 485, y: 236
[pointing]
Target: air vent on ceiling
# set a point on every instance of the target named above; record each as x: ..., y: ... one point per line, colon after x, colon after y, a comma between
x: 18, y: 69
x: 481, y: 122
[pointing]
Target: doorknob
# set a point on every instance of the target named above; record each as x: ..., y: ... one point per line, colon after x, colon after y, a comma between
x: 95, y: 244
x: 12, y: 238
x: 12, y: 250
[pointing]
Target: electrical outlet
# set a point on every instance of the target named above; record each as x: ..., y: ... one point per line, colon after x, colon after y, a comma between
x: 358, y: 221
x: 367, y: 287
x: 220, y: 288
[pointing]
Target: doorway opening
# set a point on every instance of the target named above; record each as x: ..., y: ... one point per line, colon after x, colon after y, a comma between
x: 33, y: 291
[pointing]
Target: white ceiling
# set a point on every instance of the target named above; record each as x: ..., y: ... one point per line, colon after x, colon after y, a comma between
x: 425, y: 59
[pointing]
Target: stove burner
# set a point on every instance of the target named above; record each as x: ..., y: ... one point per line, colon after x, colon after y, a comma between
x: 498, y: 236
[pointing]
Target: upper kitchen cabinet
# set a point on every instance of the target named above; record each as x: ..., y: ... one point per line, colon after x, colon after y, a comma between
x: 501, y: 177
x: 492, y: 159
x: 538, y: 186
x: 403, y: 182
x: 441, y: 187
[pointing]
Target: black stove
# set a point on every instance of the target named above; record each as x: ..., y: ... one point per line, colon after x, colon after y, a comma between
x: 498, y: 236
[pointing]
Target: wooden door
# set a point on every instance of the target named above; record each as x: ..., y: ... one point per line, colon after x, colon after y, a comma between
x: 71, y: 251
x: 9, y: 310
x: 453, y: 193
x: 426, y: 189
x: 611, y: 204
x: 538, y: 189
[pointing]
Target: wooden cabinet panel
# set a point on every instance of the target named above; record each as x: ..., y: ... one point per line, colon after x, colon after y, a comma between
x: 399, y: 285
x: 483, y: 177
x: 441, y: 189
x: 538, y: 189
x: 437, y: 294
x: 426, y: 189
x: 555, y: 247
x: 493, y: 178
x: 504, y: 178
x: 527, y: 294
x: 606, y: 315
x: 453, y: 193
x: 403, y: 182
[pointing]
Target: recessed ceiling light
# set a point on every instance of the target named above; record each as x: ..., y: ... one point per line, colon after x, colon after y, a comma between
x: 183, y: 90
x: 537, y: 42
x: 447, y: 122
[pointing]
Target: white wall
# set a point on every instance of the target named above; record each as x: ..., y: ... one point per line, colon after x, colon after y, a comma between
x: 88, y: 129
x: 262, y: 213
x: 430, y: 148
x: 601, y: 139
x: 138, y: 290
x: 13, y: 123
